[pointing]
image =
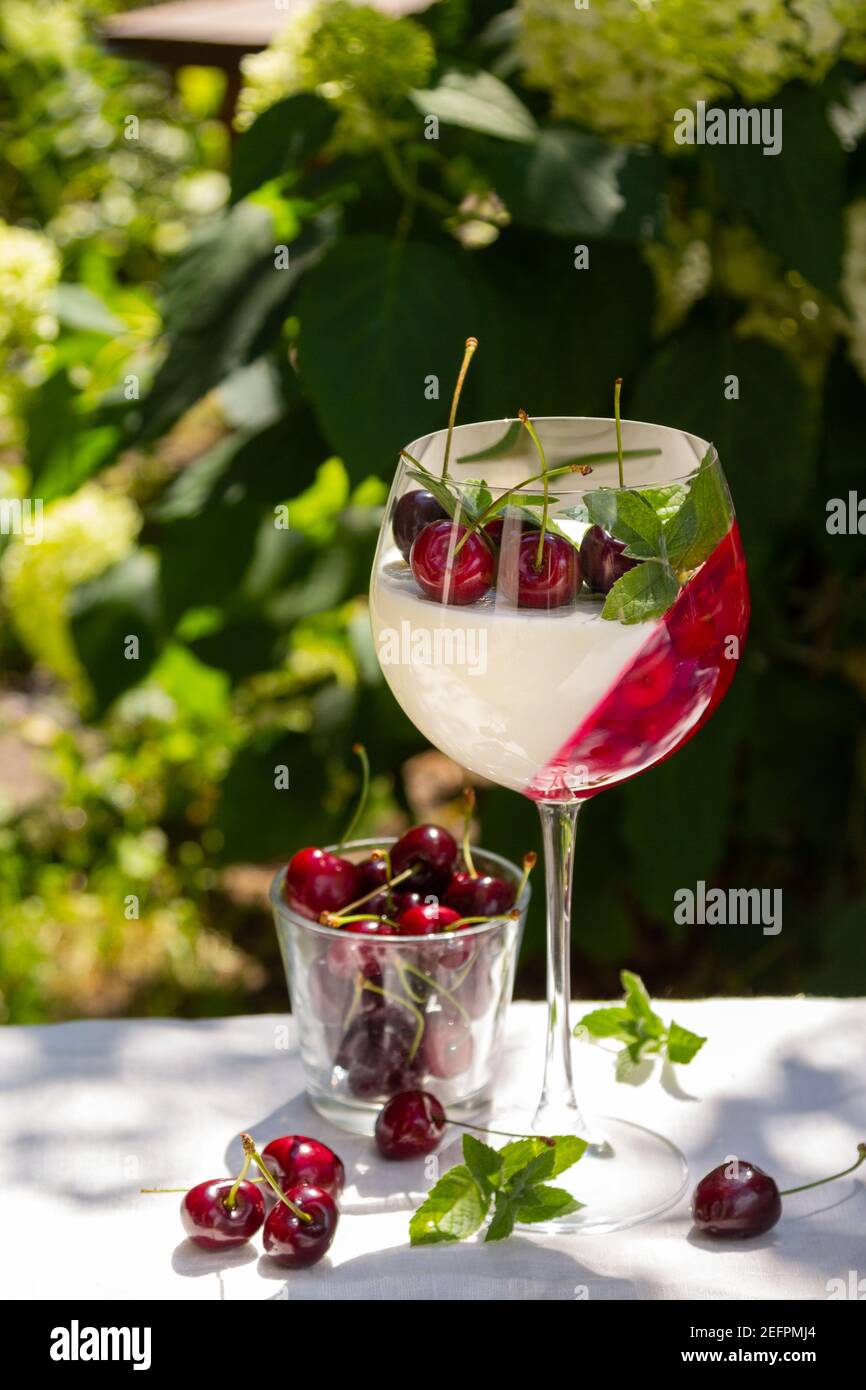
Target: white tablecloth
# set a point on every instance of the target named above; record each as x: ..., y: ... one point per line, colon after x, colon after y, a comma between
x: 90, y: 1112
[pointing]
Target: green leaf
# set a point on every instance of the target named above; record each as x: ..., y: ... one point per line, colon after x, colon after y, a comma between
x: 503, y: 1218
x: 665, y: 501
x: 638, y: 1002
x: 629, y: 517
x: 280, y: 141
x: 537, y: 361
x: 477, y: 101
x: 500, y: 449
x: 704, y: 518
x: 543, y: 1203
x: 226, y: 300
x: 572, y: 184
x: 483, y: 1162
x: 781, y: 192
x: 377, y: 321
x: 552, y: 1160
x: 105, y: 612
x: 455, y: 1209
x: 768, y: 484
x: 608, y: 1023
x: 80, y: 309
x: 645, y: 592
x: 682, y: 1044
x: 568, y: 183
x: 518, y: 1154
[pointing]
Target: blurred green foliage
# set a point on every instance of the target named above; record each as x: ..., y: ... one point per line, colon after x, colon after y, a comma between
x: 196, y: 343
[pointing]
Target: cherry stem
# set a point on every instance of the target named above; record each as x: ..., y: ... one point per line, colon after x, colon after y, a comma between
x: 530, y: 429
x: 386, y: 855
x: 359, y: 902
x: 475, y: 921
x: 419, y: 1017
x: 362, y: 799
x: 529, y: 862
x: 471, y: 345
x: 232, y: 1197
x: 617, y: 388
x: 501, y: 1133
x: 468, y: 808
x: 253, y: 1154
x: 148, y: 1190
x: 804, y: 1187
x: 339, y: 919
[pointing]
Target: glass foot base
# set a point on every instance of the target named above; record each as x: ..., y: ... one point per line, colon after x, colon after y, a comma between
x: 629, y: 1174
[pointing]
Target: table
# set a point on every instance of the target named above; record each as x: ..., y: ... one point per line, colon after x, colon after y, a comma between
x: 92, y: 1111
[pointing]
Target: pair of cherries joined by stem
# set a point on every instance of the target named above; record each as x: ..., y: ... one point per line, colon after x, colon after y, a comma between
x: 306, y: 1178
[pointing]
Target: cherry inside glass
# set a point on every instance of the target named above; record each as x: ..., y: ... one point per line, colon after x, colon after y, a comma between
x: 558, y: 620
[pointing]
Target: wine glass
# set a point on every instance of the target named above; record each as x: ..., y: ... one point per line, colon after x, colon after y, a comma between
x: 558, y: 605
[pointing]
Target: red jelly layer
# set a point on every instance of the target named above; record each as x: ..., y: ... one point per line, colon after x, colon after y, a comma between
x: 667, y: 692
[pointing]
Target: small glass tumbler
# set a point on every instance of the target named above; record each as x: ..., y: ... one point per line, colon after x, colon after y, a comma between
x: 378, y: 1015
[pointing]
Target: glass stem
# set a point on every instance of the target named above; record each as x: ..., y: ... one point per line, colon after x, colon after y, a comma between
x: 558, y: 1111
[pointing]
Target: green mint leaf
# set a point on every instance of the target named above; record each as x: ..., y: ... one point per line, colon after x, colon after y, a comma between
x: 628, y: 1060
x: 542, y: 1203
x: 645, y: 592
x: 503, y: 1218
x: 477, y: 494
x: 639, y: 1005
x: 455, y: 1209
x: 695, y: 530
x: 682, y: 1044
x: 516, y: 1156
x: 630, y: 518
x: 608, y: 1023
x: 502, y: 446
x: 665, y: 501
x: 552, y: 1160
x: 484, y: 1163
x: 443, y: 494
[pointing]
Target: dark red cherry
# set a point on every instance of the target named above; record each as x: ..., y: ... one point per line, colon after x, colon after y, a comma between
x: 483, y: 896
x: 380, y: 1052
x: 413, y: 512
x: 736, y: 1199
x: 448, y: 1045
x: 293, y: 1242
x: 434, y: 852
x: 410, y: 1125
x: 445, y: 576
x: 214, y: 1226
x: 495, y: 528
x: 425, y: 920
x: 549, y: 585
x: 295, y: 1159
x: 347, y: 957
x: 602, y: 559
x: 317, y: 882
x: 373, y: 874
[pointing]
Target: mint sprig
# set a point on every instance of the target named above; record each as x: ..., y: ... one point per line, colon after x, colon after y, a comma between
x: 645, y: 1034
x: 670, y: 543
x: 647, y: 591
x: 512, y: 1180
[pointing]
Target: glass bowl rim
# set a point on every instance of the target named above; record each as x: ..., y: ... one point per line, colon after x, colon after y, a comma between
x: 704, y: 445
x: 281, y: 908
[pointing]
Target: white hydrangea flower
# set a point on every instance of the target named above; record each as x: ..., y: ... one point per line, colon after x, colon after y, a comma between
x: 624, y: 67
x: 82, y: 535
x: 29, y: 271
